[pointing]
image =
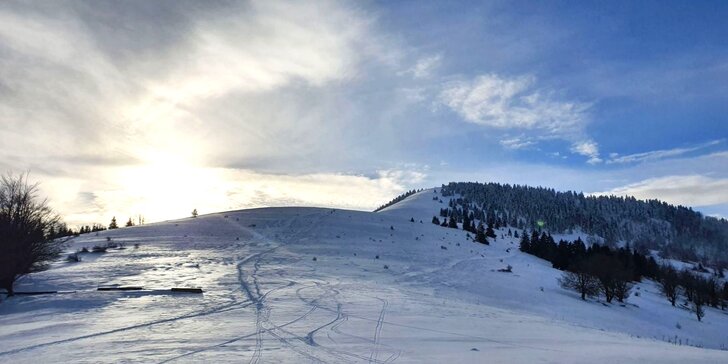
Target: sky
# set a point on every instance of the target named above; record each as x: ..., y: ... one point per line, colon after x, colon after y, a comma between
x: 157, y: 108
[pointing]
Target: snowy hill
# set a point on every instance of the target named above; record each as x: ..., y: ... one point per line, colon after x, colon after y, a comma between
x: 322, y: 285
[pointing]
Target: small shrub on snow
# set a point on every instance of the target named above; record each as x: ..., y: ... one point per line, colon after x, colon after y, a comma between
x: 73, y: 257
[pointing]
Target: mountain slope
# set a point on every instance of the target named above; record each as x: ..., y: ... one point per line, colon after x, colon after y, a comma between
x: 677, y: 231
x: 267, y: 300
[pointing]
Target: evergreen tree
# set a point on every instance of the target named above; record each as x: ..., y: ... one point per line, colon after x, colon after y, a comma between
x: 453, y: 223
x: 129, y: 223
x: 435, y: 220
x: 480, y: 235
x: 194, y: 213
x: 466, y: 223
x: 489, y: 232
x: 113, y: 224
x: 525, y: 245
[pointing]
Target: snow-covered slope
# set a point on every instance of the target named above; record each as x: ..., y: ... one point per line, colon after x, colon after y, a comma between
x: 308, y: 285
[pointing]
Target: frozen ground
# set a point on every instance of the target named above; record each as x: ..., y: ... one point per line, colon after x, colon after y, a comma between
x: 431, y: 296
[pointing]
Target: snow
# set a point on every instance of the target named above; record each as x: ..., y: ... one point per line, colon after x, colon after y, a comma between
x: 267, y: 300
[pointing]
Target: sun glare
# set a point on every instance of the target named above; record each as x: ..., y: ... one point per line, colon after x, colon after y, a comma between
x: 168, y: 186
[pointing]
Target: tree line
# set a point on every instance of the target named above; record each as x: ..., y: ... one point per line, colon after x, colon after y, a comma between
x: 677, y: 231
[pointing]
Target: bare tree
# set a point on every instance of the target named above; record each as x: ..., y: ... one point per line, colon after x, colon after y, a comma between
x: 26, y: 244
x: 579, y: 279
x: 669, y: 283
x: 602, y: 267
x: 622, y: 285
x: 698, y: 309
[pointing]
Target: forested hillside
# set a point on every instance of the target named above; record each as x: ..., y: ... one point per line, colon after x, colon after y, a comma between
x: 677, y: 231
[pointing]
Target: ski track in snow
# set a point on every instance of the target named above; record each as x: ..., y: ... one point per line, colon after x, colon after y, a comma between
x: 378, y: 330
x: 269, y: 301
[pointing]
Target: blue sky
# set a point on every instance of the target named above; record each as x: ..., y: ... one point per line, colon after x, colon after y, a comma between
x: 155, y: 108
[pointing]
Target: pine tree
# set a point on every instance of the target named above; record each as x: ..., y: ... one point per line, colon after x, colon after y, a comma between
x: 453, y: 223
x: 194, y: 213
x: 525, y: 245
x: 466, y: 223
x: 435, y: 220
x: 480, y: 235
x: 113, y: 224
x: 129, y: 223
x: 489, y: 232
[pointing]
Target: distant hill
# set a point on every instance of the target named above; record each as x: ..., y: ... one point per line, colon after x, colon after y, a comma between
x: 676, y: 231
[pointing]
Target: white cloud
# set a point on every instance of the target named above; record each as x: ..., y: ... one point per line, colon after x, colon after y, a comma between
x: 687, y: 190
x: 587, y: 148
x: 272, y: 45
x: 60, y: 68
x: 516, y: 103
x: 505, y: 103
x: 425, y: 66
x: 517, y: 143
x: 659, y: 154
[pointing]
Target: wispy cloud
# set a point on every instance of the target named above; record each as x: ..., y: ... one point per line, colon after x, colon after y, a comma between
x: 424, y: 67
x: 63, y: 70
x: 659, y: 154
x: 501, y: 102
x: 517, y: 143
x: 517, y: 103
x: 587, y: 148
x: 688, y: 190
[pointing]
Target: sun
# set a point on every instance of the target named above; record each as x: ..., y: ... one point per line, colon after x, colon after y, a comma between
x: 170, y: 186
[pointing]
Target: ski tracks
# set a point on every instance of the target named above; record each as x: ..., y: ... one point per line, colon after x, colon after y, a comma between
x: 374, y: 356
